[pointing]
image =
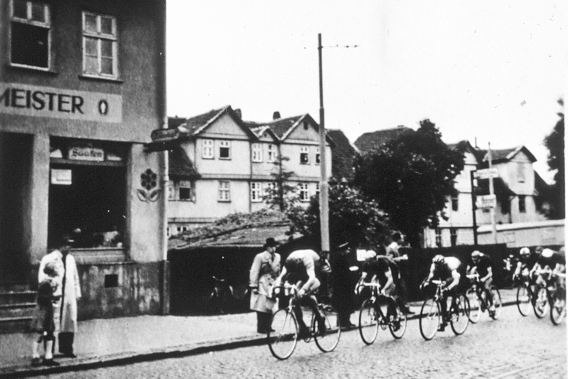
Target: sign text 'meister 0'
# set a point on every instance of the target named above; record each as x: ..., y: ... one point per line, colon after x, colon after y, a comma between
x: 34, y: 101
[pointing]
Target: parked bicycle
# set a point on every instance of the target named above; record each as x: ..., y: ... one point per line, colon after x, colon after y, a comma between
x: 282, y: 340
x: 376, y: 313
x: 478, y: 301
x: 431, y: 313
x: 548, y: 296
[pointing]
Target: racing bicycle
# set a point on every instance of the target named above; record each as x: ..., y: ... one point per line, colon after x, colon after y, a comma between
x: 478, y: 301
x: 283, y: 337
x: 375, y: 314
x: 548, y: 296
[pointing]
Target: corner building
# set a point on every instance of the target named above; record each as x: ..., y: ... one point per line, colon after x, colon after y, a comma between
x: 82, y: 85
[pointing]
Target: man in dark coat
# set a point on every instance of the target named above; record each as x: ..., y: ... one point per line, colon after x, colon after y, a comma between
x: 341, y: 285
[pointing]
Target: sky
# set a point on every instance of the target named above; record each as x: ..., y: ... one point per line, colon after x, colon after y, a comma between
x: 490, y: 72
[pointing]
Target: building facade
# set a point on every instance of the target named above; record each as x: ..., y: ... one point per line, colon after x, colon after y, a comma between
x: 82, y: 86
x: 221, y: 164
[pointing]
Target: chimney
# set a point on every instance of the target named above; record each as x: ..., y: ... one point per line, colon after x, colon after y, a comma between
x: 276, y: 115
x: 239, y: 113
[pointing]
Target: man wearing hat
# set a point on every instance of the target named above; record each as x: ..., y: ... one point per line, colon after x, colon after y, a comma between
x: 69, y: 288
x: 265, y: 269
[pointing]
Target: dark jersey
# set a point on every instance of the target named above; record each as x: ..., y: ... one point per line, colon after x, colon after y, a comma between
x: 551, y: 261
x: 528, y: 262
x: 483, y: 265
x: 379, y: 267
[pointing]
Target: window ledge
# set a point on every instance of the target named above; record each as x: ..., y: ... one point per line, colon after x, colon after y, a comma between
x: 22, y: 67
x: 101, y: 78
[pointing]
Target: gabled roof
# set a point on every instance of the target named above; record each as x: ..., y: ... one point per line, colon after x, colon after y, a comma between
x: 282, y: 126
x: 342, y: 155
x: 373, y: 140
x: 193, y: 126
x: 540, y: 186
x: 180, y: 166
x: 503, y: 155
x: 260, y: 129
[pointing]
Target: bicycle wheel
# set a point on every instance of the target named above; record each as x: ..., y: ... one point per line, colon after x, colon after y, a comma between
x: 539, y: 305
x: 368, y: 322
x: 328, y: 338
x: 474, y: 305
x: 460, y: 315
x: 282, y: 341
x: 496, y: 302
x: 429, y: 318
x: 557, y: 310
x: 523, y: 299
x: 397, y: 326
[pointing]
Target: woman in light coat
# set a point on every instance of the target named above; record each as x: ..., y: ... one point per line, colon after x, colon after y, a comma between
x: 71, y: 292
x: 265, y: 269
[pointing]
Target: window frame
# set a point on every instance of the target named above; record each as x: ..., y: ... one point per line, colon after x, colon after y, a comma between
x: 271, y: 153
x: 99, y: 36
x: 224, y: 144
x: 224, y: 188
x: 304, y: 189
x: 186, y: 184
x: 317, y: 156
x: 207, y: 149
x: 257, y: 152
x: 256, y: 192
x: 522, y: 204
x: 305, y: 152
x: 455, y: 203
x: 30, y: 22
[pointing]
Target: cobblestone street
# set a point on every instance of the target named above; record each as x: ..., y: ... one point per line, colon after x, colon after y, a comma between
x: 512, y: 347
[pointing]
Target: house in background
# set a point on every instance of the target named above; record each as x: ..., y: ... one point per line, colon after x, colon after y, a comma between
x: 373, y: 140
x: 343, y: 156
x: 220, y: 164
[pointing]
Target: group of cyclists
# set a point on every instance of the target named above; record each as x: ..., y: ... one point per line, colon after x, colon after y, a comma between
x: 304, y: 267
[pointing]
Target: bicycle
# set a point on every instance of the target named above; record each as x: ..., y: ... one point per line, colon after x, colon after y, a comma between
x: 525, y: 295
x: 372, y: 317
x: 547, y: 295
x: 431, y: 313
x: 283, y: 337
x: 478, y: 302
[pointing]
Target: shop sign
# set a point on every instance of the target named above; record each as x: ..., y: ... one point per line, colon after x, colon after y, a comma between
x: 486, y: 202
x: 60, y: 103
x: 86, y: 153
x: 487, y: 173
x: 61, y: 177
x: 164, y: 135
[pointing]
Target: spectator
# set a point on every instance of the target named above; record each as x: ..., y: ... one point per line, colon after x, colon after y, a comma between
x: 42, y: 321
x: 341, y: 285
x: 265, y: 269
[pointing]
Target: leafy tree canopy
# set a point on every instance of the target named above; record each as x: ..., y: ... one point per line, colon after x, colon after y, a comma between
x: 351, y: 218
x: 410, y: 177
x: 554, y: 142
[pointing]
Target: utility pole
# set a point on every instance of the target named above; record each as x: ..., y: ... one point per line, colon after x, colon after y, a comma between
x: 323, y: 196
x: 491, y: 192
x: 473, y: 206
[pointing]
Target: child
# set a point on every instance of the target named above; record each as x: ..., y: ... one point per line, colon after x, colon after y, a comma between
x: 42, y: 321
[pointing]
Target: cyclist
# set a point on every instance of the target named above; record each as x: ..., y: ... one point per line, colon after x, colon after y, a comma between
x: 302, y: 268
x: 482, y: 265
x: 526, y: 262
x: 384, y: 271
x: 446, y: 269
x: 556, y: 262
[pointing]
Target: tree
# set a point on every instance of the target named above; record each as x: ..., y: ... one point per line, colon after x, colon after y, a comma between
x: 281, y: 194
x: 351, y: 218
x: 411, y: 177
x: 554, y: 142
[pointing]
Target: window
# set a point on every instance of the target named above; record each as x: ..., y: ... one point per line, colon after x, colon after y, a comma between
x: 30, y: 34
x: 522, y: 204
x: 317, y: 189
x: 207, y: 146
x: 521, y: 172
x: 269, y: 189
x: 271, y: 153
x: 256, y: 192
x: 257, y: 152
x: 455, y: 203
x: 100, y: 45
x: 186, y: 192
x: 438, y: 237
x: 305, y: 155
x: 224, y: 149
x: 171, y: 190
x: 318, y: 155
x: 453, y: 236
x: 224, y: 191
x: 304, y: 191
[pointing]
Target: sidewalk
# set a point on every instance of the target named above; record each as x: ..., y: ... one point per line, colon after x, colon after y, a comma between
x: 105, y: 342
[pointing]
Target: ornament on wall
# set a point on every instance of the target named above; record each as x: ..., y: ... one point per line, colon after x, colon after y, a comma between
x: 149, y: 182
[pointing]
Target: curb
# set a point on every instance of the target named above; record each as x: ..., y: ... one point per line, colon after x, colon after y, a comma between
x: 94, y: 362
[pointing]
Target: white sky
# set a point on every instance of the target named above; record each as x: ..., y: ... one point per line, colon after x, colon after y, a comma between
x: 486, y: 70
